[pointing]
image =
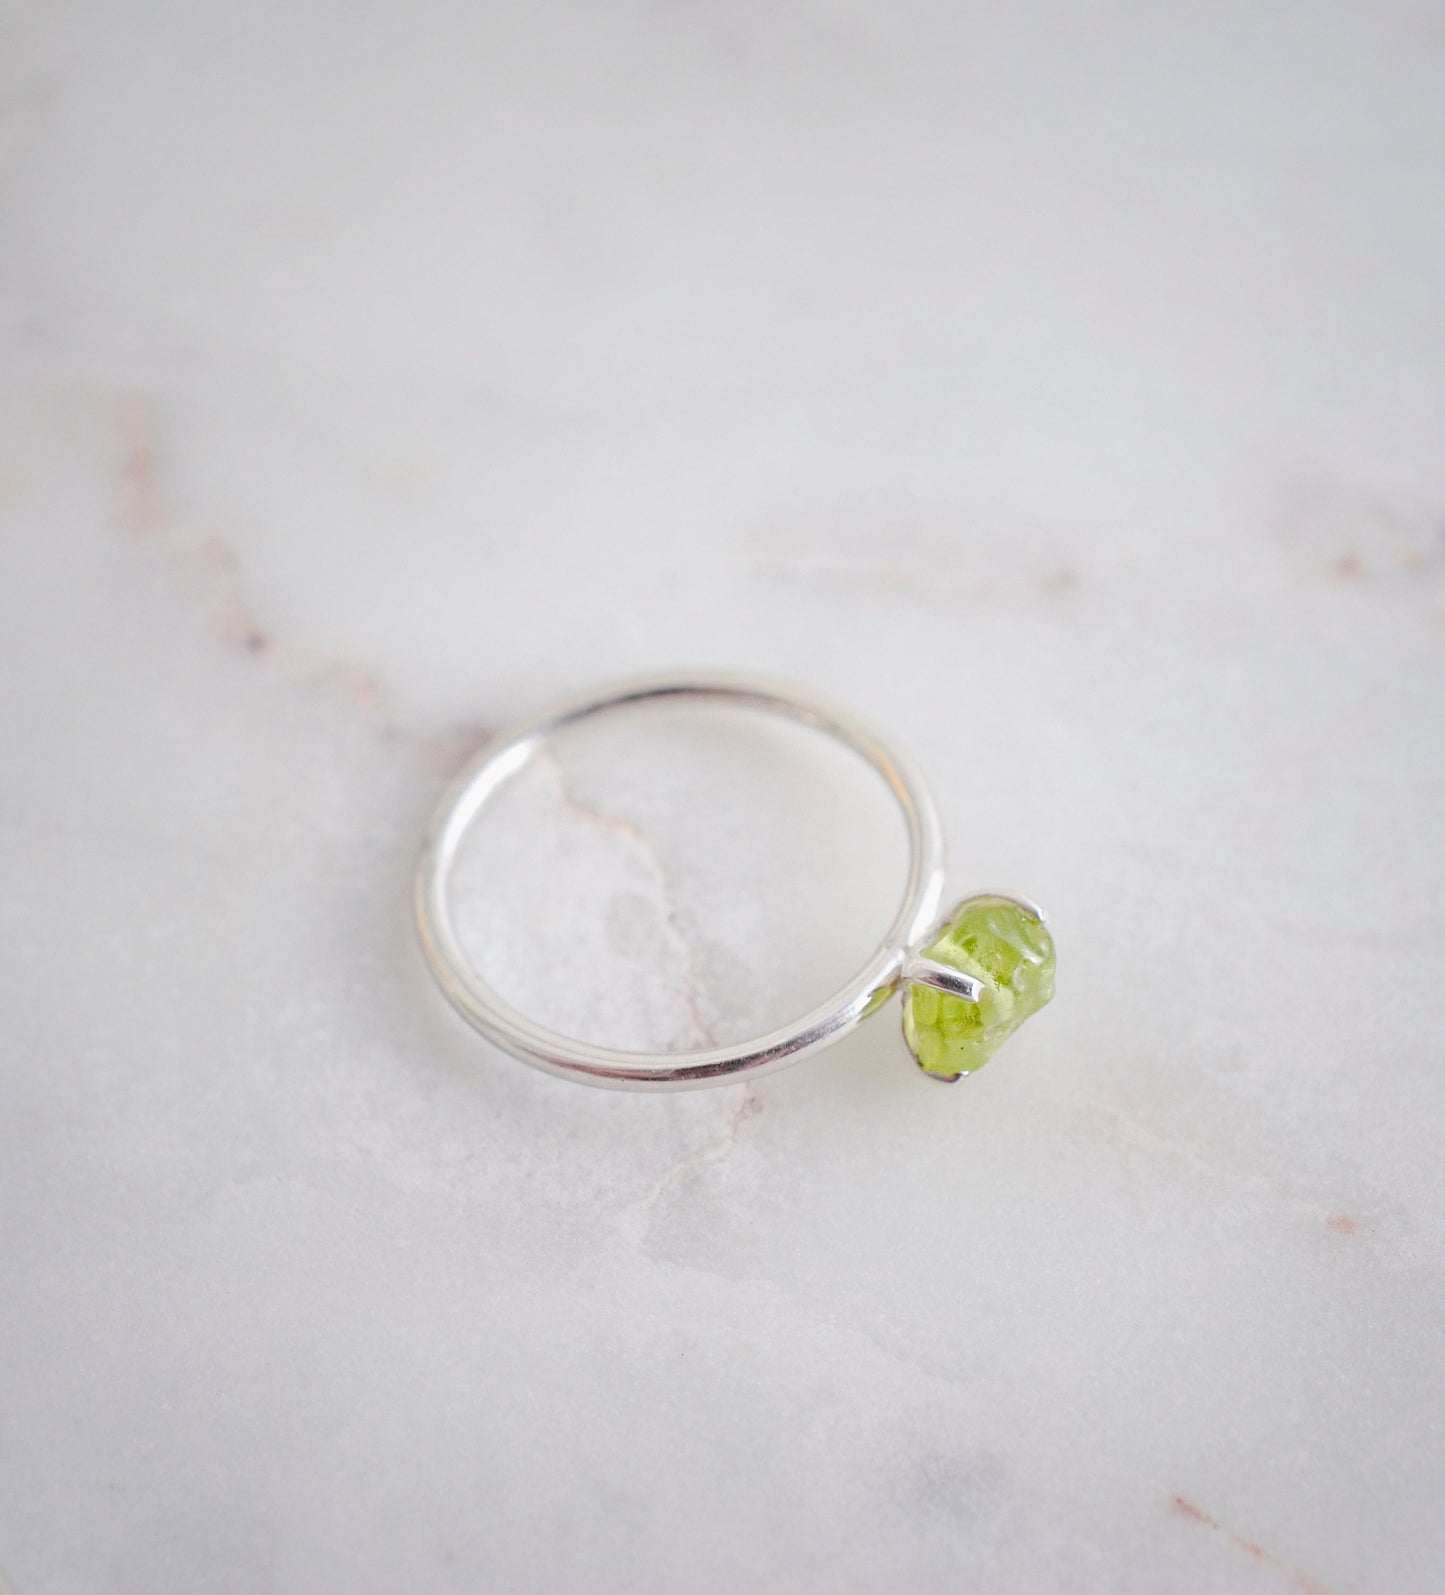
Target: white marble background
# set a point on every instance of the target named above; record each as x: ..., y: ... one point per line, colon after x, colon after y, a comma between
x: 1063, y: 385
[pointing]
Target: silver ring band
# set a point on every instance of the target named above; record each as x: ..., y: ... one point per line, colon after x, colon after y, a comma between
x: 558, y: 1054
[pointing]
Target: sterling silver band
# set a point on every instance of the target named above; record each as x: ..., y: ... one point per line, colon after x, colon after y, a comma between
x: 558, y: 1054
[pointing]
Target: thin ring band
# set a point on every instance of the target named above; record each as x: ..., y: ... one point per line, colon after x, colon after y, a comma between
x: 558, y: 1054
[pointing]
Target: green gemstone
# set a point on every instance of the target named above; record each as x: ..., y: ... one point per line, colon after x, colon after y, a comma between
x: 1006, y: 947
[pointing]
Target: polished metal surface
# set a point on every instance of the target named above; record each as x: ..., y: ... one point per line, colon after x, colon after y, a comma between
x: 919, y: 970
x: 559, y: 1054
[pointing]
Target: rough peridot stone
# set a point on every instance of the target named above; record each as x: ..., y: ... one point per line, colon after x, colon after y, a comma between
x: 1000, y: 943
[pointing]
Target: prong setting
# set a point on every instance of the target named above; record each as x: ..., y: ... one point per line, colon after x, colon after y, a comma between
x: 924, y: 971
x: 987, y: 967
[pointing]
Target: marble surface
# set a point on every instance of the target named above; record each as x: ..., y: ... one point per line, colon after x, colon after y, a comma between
x: 1063, y: 386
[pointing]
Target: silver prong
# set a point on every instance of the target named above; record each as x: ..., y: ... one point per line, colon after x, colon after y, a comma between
x: 942, y: 977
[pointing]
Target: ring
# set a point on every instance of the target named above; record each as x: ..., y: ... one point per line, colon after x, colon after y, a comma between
x: 968, y: 980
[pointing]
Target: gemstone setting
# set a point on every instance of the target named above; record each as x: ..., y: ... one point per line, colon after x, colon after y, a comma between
x: 1006, y: 947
